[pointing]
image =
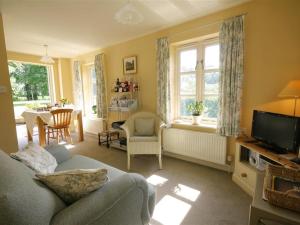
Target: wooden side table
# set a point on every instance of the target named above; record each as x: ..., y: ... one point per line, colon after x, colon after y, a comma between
x: 106, y: 137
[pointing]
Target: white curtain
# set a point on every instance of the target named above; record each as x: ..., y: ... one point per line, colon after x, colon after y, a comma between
x: 101, y: 86
x: 77, y: 86
x: 163, y: 79
x: 231, y: 75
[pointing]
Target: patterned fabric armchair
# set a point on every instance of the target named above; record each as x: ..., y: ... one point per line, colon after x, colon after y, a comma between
x: 144, y: 143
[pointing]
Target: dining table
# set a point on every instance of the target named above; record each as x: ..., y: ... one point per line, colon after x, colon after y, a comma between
x: 34, y: 118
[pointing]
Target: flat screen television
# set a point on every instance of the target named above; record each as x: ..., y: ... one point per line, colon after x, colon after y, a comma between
x: 279, y: 133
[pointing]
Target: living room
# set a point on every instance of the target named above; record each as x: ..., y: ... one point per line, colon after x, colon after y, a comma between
x: 190, y: 189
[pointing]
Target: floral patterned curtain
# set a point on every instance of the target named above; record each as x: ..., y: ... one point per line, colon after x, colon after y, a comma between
x: 101, y: 86
x: 231, y: 75
x: 77, y: 86
x: 163, y: 79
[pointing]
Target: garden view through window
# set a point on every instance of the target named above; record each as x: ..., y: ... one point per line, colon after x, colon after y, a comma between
x: 198, y: 70
x: 30, y: 86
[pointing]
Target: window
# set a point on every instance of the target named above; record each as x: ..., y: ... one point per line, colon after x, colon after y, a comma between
x: 90, y: 95
x: 197, y: 69
x: 32, y: 85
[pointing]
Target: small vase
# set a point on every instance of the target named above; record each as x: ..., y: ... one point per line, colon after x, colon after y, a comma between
x: 196, y: 120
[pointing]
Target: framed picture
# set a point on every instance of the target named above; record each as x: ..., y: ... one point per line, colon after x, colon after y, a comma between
x: 129, y: 65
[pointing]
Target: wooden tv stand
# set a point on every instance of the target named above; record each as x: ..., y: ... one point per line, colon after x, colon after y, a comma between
x: 245, y: 175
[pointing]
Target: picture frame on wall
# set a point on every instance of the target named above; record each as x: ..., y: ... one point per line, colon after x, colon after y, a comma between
x: 130, y: 65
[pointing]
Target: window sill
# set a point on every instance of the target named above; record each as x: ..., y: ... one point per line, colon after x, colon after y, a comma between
x: 187, y: 125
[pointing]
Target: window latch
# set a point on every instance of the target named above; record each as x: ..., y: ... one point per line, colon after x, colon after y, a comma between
x: 197, y: 64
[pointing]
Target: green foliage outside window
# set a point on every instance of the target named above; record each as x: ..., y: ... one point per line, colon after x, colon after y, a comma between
x: 29, y: 82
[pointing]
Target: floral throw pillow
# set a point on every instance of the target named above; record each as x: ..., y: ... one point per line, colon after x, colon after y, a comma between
x: 36, y: 158
x: 72, y: 185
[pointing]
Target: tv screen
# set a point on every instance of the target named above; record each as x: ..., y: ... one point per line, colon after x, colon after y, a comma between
x: 279, y: 131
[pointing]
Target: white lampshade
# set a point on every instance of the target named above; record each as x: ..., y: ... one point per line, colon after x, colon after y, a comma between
x: 47, y: 59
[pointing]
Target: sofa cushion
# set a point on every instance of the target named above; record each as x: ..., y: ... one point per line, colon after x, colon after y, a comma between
x: 144, y: 126
x: 36, y: 158
x: 72, y: 185
x: 60, y: 152
x: 24, y: 200
x: 143, y: 139
x: 82, y: 162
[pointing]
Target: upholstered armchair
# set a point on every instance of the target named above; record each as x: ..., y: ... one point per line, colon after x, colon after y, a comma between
x: 143, y: 132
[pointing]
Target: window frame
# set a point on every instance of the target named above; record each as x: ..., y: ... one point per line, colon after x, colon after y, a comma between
x: 50, y: 77
x: 88, y: 84
x: 200, y: 73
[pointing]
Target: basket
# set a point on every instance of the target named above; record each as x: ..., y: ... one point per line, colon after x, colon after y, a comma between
x: 282, y: 187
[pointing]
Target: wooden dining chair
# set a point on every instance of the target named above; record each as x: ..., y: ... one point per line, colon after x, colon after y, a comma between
x: 59, y: 126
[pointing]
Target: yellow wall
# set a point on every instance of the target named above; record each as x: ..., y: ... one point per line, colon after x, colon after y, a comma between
x: 61, y: 72
x: 66, y: 88
x: 8, y: 136
x: 272, y: 55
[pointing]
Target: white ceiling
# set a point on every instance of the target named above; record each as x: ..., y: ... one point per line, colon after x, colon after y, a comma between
x: 73, y: 27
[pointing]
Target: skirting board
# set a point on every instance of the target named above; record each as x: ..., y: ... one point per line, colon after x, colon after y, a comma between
x: 243, y: 185
x: 226, y: 168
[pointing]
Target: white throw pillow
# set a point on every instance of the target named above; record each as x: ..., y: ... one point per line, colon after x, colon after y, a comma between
x: 36, y: 158
x: 144, y: 126
x: 72, y: 185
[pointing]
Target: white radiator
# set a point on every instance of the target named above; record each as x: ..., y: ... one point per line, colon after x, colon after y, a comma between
x: 204, y: 146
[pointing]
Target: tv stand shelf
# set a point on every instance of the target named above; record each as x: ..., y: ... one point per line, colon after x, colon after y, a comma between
x: 245, y: 175
x: 282, y: 159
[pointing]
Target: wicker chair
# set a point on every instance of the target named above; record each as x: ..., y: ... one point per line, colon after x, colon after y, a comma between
x: 143, y: 144
x: 59, y: 126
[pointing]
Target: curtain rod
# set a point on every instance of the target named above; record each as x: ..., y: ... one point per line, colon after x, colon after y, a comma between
x: 206, y: 25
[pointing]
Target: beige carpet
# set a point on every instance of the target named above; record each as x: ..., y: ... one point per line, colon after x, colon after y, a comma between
x: 187, y: 193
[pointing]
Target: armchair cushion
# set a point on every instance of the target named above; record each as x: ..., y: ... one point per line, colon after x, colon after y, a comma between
x: 144, y: 126
x: 143, y: 139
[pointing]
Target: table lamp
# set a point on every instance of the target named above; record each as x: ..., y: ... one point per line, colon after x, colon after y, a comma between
x: 292, y: 90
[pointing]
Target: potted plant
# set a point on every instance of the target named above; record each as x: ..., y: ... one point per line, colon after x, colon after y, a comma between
x: 64, y: 101
x: 196, y: 109
x: 94, y: 109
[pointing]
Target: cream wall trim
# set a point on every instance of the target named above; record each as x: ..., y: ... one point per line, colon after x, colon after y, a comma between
x: 8, y: 137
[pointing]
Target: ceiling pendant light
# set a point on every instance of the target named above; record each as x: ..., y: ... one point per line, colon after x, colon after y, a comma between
x: 129, y: 15
x: 45, y: 58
